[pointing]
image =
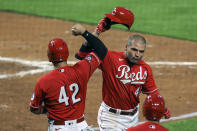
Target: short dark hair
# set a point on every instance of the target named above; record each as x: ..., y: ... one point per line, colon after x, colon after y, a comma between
x: 139, y: 38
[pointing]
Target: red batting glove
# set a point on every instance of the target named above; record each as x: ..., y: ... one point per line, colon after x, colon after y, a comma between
x: 103, y: 25
x: 167, y: 114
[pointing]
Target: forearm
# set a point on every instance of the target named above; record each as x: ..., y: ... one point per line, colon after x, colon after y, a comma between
x: 85, y: 49
x: 96, y: 44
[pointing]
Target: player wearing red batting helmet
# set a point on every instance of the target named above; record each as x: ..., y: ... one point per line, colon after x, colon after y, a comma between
x: 57, y: 50
x: 62, y: 92
x: 153, y: 111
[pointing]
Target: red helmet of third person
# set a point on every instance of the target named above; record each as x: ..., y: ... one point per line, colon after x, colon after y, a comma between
x: 122, y: 15
x: 154, y: 107
x: 57, y: 50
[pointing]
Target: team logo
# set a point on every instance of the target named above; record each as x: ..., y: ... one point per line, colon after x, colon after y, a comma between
x: 114, y: 11
x: 52, y: 43
x: 89, y: 58
x: 127, y: 76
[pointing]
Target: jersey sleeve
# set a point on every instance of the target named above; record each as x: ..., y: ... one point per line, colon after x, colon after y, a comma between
x: 150, y: 86
x: 87, y: 66
x: 37, y: 97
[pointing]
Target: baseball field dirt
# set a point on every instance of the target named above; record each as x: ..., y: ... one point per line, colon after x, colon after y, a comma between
x: 26, y: 37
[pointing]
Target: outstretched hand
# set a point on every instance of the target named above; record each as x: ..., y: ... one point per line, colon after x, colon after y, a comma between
x: 78, y: 29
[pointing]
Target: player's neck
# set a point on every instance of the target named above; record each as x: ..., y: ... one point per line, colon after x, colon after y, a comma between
x: 61, y: 64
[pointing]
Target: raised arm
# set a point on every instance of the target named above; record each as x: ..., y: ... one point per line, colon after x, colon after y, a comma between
x: 92, y: 41
x: 103, y: 25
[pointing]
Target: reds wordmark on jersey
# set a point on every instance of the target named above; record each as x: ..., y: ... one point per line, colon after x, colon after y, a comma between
x: 123, y: 82
x: 128, y: 76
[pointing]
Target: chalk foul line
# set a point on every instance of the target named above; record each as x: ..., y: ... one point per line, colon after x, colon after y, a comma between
x: 47, y: 66
x: 185, y: 116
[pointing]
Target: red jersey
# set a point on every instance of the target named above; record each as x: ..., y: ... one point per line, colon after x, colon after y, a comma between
x: 123, y: 82
x: 148, y: 126
x: 63, y: 90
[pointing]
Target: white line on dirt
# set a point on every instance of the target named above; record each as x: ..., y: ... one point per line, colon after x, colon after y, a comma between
x: 46, y: 66
x: 41, y: 65
x: 173, y: 63
x: 185, y: 116
x: 4, y: 106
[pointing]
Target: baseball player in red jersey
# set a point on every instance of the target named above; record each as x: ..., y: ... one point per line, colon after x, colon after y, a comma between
x: 153, y: 111
x: 125, y: 76
x: 63, y: 90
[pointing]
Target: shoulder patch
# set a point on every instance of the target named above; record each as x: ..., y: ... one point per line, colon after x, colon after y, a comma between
x: 88, y: 58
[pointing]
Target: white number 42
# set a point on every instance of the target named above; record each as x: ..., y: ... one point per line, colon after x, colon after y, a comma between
x: 64, y: 98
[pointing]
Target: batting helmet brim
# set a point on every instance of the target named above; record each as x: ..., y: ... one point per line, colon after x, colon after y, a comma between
x: 119, y: 21
x: 122, y: 15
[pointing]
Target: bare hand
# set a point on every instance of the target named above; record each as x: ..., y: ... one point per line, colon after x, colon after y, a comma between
x: 78, y: 29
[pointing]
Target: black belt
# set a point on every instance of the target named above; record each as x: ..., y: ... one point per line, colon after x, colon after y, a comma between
x: 130, y: 113
x: 63, y: 122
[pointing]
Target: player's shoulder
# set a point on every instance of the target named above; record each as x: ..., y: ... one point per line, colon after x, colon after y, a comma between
x: 44, y: 77
x: 51, y: 75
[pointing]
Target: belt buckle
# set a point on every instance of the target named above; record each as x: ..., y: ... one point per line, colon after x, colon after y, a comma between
x: 118, y: 111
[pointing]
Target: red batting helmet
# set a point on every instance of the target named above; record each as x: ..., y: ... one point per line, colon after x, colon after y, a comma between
x: 154, y: 107
x: 122, y: 15
x: 57, y: 50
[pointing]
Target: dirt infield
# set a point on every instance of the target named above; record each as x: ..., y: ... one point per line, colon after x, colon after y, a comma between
x: 26, y: 37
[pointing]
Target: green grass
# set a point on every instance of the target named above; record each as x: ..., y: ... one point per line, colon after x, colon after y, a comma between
x: 173, y: 18
x: 184, y: 125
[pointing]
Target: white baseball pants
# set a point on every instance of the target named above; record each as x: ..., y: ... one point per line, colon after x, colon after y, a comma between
x: 109, y: 121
